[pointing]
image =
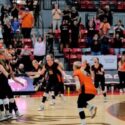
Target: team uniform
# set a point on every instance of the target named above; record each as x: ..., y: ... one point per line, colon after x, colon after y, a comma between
x: 6, y: 93
x: 60, y: 85
x: 99, y: 79
x: 121, y: 74
x: 87, y: 93
x: 51, y: 83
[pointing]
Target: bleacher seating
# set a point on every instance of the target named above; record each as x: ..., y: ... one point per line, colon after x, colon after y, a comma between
x: 116, y: 5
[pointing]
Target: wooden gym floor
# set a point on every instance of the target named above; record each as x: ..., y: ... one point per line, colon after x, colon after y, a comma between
x: 65, y: 113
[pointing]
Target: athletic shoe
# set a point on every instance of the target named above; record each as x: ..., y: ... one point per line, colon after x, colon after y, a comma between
x: 52, y: 103
x: 17, y: 114
x: 93, y: 111
x: 105, y: 99
x: 2, y: 118
x: 41, y: 108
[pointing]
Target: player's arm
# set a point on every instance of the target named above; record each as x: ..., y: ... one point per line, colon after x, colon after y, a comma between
x: 61, y: 70
x: 42, y: 71
x: 77, y: 82
x: 4, y: 71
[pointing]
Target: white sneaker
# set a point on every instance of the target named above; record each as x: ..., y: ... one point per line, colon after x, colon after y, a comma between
x: 17, y: 114
x: 2, y: 118
x: 52, y: 103
x: 105, y: 99
x: 8, y: 115
x: 93, y: 111
x: 41, y: 108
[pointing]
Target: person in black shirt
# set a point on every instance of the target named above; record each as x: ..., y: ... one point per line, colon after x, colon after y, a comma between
x: 99, y: 76
x: 66, y: 14
x: 118, y: 44
x: 51, y: 68
x: 5, y: 90
x: 14, y: 11
x: 37, y: 67
x: 64, y: 35
x: 119, y: 28
x: 91, y: 32
x: 75, y: 23
x: 50, y: 39
x: 95, y: 47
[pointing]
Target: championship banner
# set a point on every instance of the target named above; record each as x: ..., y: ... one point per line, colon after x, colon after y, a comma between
x: 109, y: 61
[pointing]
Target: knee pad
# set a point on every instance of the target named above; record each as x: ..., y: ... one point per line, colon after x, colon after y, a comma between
x: 11, y: 100
x: 1, y: 102
x: 6, y: 101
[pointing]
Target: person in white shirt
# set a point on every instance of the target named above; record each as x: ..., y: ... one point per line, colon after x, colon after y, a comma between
x: 39, y: 48
x: 56, y: 16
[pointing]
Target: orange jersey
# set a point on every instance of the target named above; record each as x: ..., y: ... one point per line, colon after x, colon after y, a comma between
x: 86, y: 81
x: 121, y: 66
x: 27, y: 20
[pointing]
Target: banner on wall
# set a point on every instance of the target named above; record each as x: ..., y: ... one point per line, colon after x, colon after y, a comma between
x: 27, y: 86
x: 109, y: 61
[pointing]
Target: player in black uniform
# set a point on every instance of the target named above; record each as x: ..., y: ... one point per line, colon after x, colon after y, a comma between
x: 5, y: 90
x: 38, y: 80
x: 60, y: 85
x: 99, y: 75
x: 51, y: 68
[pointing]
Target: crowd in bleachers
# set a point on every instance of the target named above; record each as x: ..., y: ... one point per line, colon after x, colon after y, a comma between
x: 15, y: 33
x: 98, y: 36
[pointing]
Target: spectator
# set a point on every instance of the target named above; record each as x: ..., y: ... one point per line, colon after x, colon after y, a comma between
x: 26, y: 61
x: 118, y: 44
x: 7, y: 34
x: 75, y: 24
x: 91, y: 32
x: 96, y: 46
x: 64, y: 35
x: 97, y: 24
x: 100, y: 14
x: 104, y: 45
x: 56, y: 15
x: 108, y: 14
x: 15, y: 25
x: 17, y: 43
x: 27, y: 23
x: 30, y: 4
x: 39, y: 48
x: 75, y: 15
x: 3, y: 13
x: 66, y: 14
x: 104, y: 27
x: 119, y: 28
x: 14, y: 11
x: 20, y: 70
x: 50, y: 39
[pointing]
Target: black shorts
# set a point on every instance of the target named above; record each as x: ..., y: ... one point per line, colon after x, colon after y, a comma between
x: 50, y: 86
x: 6, y: 92
x: 83, y: 99
x: 59, y: 89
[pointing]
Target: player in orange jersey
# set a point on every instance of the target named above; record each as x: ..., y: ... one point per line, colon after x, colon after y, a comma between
x: 87, y: 91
